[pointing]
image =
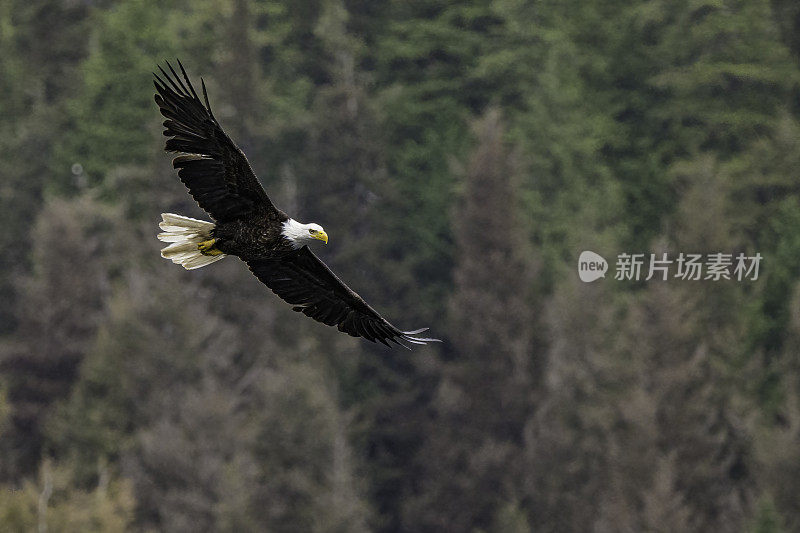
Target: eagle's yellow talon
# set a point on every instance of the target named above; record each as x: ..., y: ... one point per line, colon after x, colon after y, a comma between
x: 207, y: 247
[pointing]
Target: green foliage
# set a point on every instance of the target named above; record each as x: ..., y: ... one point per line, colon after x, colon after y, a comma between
x: 119, y: 389
x: 57, y: 318
x: 134, y: 395
x: 767, y: 519
x: 40, y: 47
x: 571, y: 202
x: 490, y: 382
x: 306, y: 470
x: 115, y: 101
x: 725, y: 74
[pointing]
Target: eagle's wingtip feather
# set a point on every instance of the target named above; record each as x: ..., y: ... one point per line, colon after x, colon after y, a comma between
x: 409, y: 336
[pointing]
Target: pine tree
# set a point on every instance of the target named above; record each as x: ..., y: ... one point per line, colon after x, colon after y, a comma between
x: 685, y: 342
x: 567, y: 438
x: 158, y: 340
x: 695, y: 77
x: 776, y: 436
x: 109, y: 115
x: 59, y: 313
x: 41, y: 45
x: 544, y: 68
x: 423, y: 62
x: 472, y: 461
x: 302, y: 474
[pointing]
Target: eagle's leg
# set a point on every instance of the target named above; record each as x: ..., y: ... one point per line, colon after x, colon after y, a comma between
x: 207, y: 247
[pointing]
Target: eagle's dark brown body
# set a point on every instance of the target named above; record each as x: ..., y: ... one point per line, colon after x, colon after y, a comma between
x: 247, y: 224
x: 254, y: 236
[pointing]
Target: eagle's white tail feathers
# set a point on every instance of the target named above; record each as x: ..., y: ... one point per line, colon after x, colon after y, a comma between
x: 185, y: 234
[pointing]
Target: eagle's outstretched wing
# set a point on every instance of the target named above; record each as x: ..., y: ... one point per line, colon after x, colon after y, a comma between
x: 214, y: 169
x: 301, y: 279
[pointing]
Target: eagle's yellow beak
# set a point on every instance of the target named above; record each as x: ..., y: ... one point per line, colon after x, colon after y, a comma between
x: 322, y: 236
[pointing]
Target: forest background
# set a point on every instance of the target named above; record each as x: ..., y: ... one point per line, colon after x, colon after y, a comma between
x: 461, y: 156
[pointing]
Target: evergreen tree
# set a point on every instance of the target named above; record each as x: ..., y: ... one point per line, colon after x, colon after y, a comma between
x: 108, y: 118
x: 776, y: 434
x: 487, y: 385
x: 567, y: 439
x: 158, y: 340
x: 41, y: 45
x: 544, y: 73
x: 687, y: 77
x: 423, y: 62
x: 302, y: 474
x: 61, y: 309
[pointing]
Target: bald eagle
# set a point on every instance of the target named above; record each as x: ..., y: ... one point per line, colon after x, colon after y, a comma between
x: 246, y: 223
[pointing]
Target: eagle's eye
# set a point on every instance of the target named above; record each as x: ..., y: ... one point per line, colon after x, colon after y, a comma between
x: 312, y: 231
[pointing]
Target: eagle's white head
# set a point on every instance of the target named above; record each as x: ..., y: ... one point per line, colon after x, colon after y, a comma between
x: 300, y: 234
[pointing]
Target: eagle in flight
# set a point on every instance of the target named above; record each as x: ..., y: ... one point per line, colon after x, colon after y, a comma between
x: 247, y: 224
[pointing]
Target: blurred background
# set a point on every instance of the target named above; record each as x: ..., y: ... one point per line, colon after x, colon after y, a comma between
x: 461, y: 155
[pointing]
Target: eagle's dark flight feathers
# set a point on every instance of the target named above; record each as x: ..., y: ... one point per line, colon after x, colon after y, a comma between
x: 214, y: 169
